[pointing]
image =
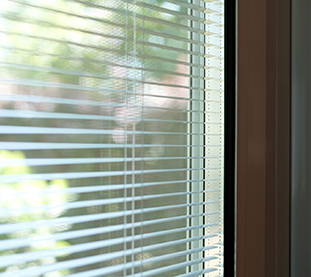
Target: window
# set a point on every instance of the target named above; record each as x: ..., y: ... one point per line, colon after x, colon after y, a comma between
x: 112, y: 118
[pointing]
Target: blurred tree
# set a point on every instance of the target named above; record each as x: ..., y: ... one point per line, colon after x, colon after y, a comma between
x: 112, y: 52
x: 22, y: 202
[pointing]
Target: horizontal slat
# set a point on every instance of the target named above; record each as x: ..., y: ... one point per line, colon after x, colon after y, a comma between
x: 23, y: 242
x: 66, y: 101
x: 25, y: 130
x: 36, y: 83
x: 100, y: 258
x: 43, y: 162
x: 99, y: 244
x: 117, y: 268
x: 138, y: 70
x: 197, y: 272
x: 99, y: 188
x: 35, y: 114
x: 55, y: 100
x: 121, y: 12
x: 161, y: 9
x: 5, y: 145
x: 172, y: 267
x: 104, y: 35
x: 181, y: 4
x: 194, y: 18
x: 13, y: 227
x: 97, y: 61
x: 28, y: 257
x: 7, y: 129
x: 186, y: 4
x: 94, y: 259
x: 138, y: 29
x: 101, y: 76
x: 115, y: 50
x: 94, y: 174
x: 106, y: 77
x: 18, y: 211
x: 160, y: 270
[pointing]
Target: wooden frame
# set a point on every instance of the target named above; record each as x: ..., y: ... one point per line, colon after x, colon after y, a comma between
x: 263, y: 139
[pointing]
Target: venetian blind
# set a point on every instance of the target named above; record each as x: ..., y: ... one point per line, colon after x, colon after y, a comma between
x: 111, y: 138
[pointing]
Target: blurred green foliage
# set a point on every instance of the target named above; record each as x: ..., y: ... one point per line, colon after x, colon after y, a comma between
x: 21, y: 202
x: 102, y: 50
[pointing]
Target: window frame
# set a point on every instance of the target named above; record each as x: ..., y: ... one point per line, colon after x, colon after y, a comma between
x: 230, y: 138
x: 263, y: 139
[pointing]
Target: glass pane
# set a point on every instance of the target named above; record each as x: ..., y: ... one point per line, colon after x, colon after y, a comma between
x: 112, y: 137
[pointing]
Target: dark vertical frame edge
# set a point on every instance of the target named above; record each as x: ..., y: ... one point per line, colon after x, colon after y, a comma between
x: 283, y: 139
x: 230, y: 138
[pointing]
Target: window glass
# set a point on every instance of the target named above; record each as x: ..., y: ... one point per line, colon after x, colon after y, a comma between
x: 111, y: 138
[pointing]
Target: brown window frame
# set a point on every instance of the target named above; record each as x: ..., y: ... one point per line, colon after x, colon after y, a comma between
x: 263, y: 139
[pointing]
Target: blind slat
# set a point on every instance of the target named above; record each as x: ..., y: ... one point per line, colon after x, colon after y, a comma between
x: 102, y: 188
x: 198, y: 272
x: 54, y: 145
x: 23, y: 242
x: 81, y: 175
x: 95, y: 245
x: 91, y: 32
x: 114, y: 269
x: 39, y: 99
x: 37, y: 83
x: 161, y: 9
x: 13, y: 227
x: 105, y: 257
x: 6, y: 129
x: 139, y: 16
x: 143, y: 70
x: 44, y: 162
x: 173, y: 267
x: 82, y: 204
x: 143, y: 43
x: 100, y: 62
x: 35, y: 114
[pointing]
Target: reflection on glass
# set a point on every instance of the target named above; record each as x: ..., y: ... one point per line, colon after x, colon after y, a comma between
x: 97, y: 126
